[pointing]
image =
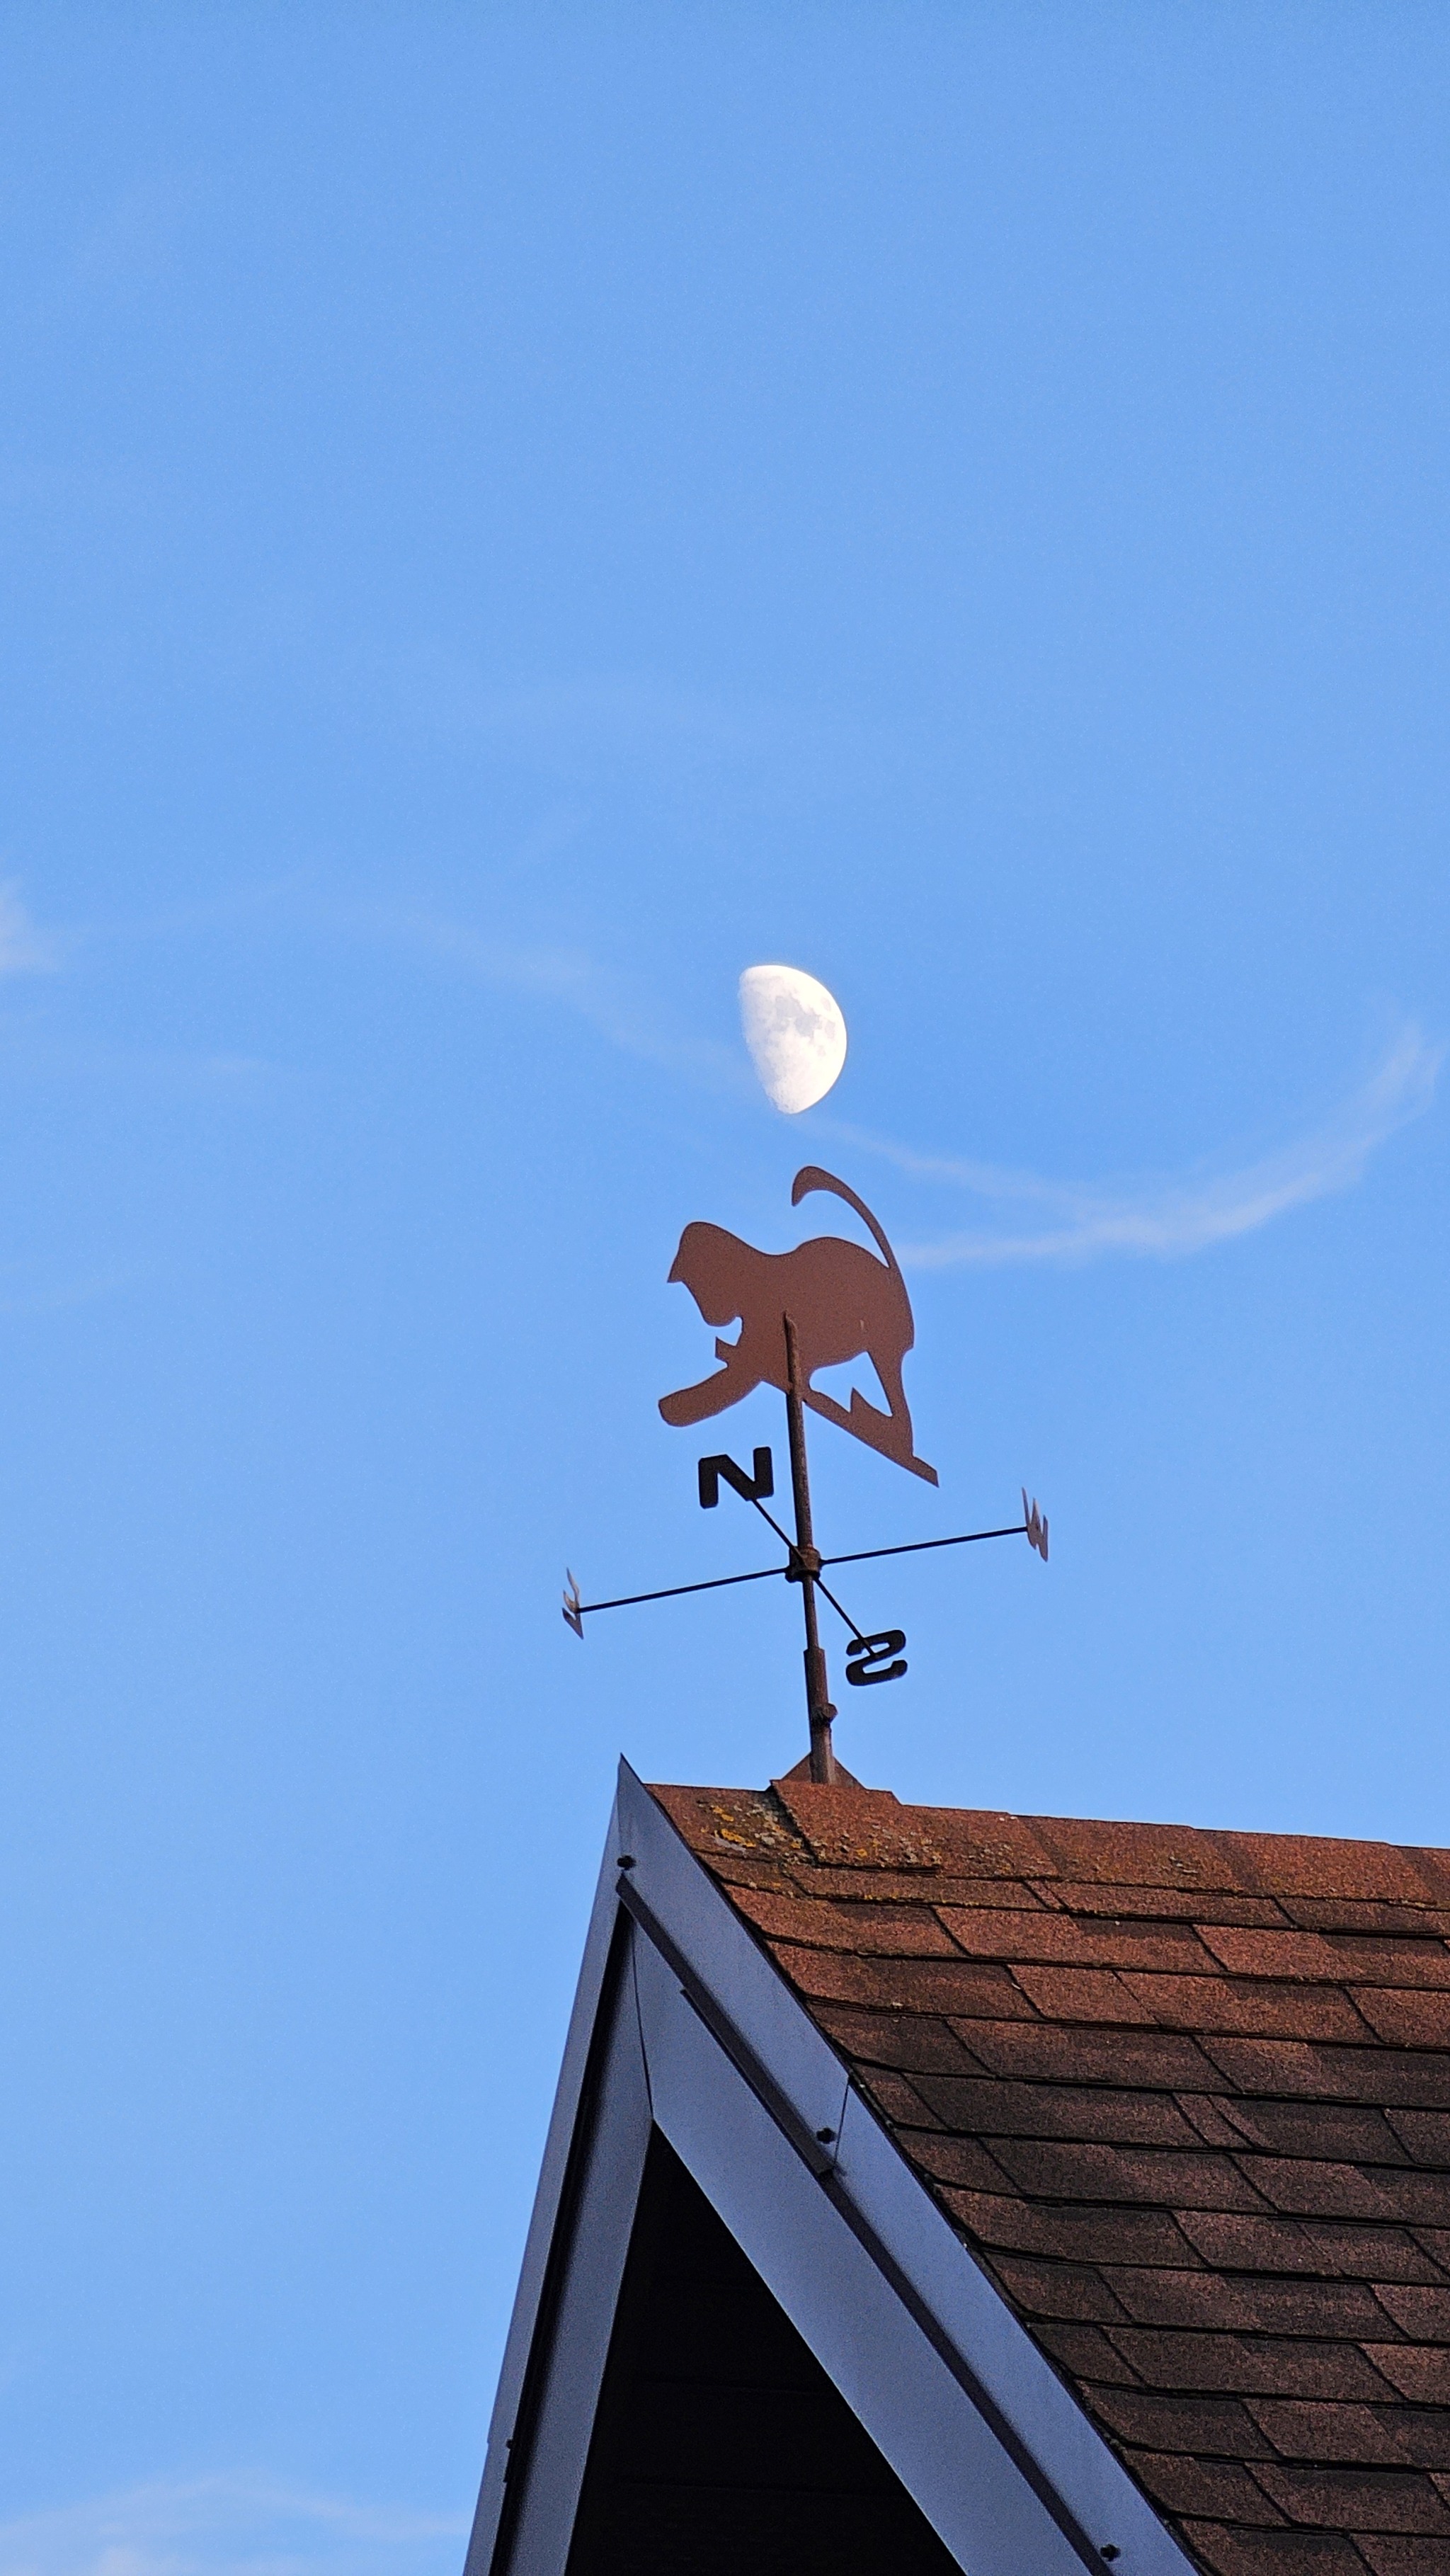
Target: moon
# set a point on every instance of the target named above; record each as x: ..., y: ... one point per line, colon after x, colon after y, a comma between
x: 795, y: 1033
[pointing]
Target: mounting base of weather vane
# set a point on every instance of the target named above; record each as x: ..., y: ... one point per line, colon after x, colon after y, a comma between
x: 821, y: 1759
x: 801, y: 1772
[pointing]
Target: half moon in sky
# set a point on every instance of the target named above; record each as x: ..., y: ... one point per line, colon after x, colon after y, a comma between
x: 795, y: 1034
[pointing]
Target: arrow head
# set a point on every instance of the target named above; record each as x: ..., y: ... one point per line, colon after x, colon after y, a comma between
x: 573, y: 1607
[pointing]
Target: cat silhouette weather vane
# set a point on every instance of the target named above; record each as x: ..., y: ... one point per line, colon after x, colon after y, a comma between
x: 826, y: 1303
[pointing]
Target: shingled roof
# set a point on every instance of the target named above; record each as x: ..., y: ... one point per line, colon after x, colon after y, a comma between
x: 1186, y: 2098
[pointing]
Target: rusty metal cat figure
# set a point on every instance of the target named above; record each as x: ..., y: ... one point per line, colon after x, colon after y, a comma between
x: 843, y: 1303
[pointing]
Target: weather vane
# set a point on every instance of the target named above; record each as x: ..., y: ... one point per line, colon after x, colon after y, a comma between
x: 826, y: 1303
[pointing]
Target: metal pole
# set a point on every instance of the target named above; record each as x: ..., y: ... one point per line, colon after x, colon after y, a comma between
x: 805, y: 1566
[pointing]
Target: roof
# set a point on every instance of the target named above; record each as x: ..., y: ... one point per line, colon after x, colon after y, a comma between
x: 648, y: 2405
x: 1185, y: 2096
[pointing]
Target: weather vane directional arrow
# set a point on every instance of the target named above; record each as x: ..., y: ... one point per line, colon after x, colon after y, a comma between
x: 826, y: 1303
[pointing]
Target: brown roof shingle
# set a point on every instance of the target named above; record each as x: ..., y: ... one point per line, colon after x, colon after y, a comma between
x: 1186, y: 2097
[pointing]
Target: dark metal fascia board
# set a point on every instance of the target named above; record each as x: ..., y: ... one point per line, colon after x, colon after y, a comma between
x: 546, y: 2240
x: 743, y: 1999
x: 814, y: 2151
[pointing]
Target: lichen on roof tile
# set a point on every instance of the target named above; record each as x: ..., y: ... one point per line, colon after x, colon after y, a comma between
x: 857, y: 1828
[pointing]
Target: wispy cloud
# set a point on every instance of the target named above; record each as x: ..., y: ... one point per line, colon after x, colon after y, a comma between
x: 1168, y: 1219
x: 24, y: 950
x: 598, y: 727
x: 19, y: 1296
x: 562, y: 978
x: 1028, y: 1218
x: 599, y: 718
x: 229, y: 2526
x: 1165, y: 1219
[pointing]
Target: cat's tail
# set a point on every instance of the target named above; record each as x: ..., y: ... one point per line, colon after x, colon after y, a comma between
x: 811, y: 1177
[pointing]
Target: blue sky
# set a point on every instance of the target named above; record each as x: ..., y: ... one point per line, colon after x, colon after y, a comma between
x: 511, y: 516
